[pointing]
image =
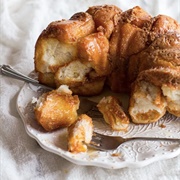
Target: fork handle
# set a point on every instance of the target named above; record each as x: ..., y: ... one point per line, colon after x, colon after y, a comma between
x: 9, y: 71
x: 154, y: 139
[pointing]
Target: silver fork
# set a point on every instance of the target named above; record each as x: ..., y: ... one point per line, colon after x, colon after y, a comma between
x: 10, y: 72
x: 104, y: 142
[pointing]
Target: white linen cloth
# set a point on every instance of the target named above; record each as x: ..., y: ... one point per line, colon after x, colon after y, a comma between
x: 21, y: 22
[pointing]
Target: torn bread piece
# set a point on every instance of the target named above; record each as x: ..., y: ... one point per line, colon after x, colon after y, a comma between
x: 79, y: 134
x: 147, y: 104
x: 57, y: 108
x: 167, y: 80
x: 113, y: 113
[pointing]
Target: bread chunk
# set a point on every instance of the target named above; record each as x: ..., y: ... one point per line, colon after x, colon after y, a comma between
x: 57, y: 44
x: 113, y: 113
x: 90, y: 87
x: 80, y: 78
x: 147, y: 103
x: 93, y: 50
x: 105, y: 17
x: 161, y: 25
x: 72, y: 74
x: 166, y: 81
x: 137, y: 16
x: 164, y: 52
x: 80, y: 134
x: 57, y: 109
x: 51, y: 54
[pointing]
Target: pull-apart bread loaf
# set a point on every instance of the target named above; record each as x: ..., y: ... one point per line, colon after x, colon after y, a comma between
x: 129, y: 51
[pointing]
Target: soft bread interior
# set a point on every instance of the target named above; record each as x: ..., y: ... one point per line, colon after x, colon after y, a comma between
x: 73, y: 73
x: 79, y: 134
x: 53, y: 53
x: 147, y: 103
x: 172, y: 95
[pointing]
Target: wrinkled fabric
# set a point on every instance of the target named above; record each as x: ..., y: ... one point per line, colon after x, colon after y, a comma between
x: 21, y: 22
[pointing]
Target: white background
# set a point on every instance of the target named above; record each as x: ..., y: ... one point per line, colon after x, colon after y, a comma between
x: 21, y: 22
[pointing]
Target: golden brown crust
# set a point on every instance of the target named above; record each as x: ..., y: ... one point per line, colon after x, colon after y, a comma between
x: 137, y: 16
x: 129, y: 37
x: 69, y: 31
x: 105, y: 17
x: 161, y: 25
x: 163, y: 52
x: 56, y: 45
x: 90, y: 87
x: 135, y: 31
x: 93, y: 50
x: 47, y: 79
x: 121, y: 48
x: 160, y: 76
x: 113, y: 113
x: 56, y: 109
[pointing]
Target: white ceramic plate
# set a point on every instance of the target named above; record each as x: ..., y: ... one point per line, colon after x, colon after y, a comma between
x: 130, y: 154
